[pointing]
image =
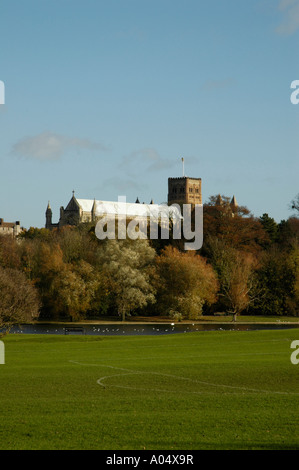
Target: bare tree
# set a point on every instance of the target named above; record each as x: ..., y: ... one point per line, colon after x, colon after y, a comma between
x: 235, y: 270
x: 295, y: 203
x: 238, y: 287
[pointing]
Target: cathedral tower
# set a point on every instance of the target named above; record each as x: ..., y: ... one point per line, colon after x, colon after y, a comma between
x: 184, y: 190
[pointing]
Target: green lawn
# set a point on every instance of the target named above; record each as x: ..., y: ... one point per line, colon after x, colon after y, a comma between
x: 202, y: 390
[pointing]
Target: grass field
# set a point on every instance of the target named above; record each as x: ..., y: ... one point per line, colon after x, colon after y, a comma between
x: 202, y: 390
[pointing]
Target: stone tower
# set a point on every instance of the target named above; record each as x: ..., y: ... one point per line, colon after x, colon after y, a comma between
x: 184, y: 190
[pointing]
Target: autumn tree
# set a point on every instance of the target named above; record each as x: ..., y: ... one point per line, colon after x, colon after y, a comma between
x: 74, y: 290
x: 19, y: 299
x: 9, y: 252
x: 234, y: 225
x: 45, y: 264
x: 238, y: 290
x: 236, y: 274
x: 34, y: 233
x: 67, y: 290
x: 186, y: 283
x: 76, y: 244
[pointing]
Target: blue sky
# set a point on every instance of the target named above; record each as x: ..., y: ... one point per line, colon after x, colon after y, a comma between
x: 105, y: 97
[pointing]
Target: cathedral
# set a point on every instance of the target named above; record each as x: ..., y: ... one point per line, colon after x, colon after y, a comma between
x: 181, y: 190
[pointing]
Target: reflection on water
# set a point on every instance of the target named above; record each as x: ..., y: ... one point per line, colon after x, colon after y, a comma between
x: 141, y: 329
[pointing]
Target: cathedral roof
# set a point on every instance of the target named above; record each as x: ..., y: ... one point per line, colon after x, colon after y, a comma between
x: 129, y: 209
x: 85, y: 204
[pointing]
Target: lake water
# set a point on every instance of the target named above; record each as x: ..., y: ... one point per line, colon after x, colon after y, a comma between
x: 142, y: 329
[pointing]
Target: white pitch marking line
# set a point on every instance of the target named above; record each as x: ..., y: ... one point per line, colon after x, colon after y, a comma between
x: 132, y: 372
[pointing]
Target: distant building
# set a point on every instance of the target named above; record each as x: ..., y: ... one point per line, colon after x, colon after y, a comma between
x: 90, y: 210
x: 231, y: 208
x: 10, y: 228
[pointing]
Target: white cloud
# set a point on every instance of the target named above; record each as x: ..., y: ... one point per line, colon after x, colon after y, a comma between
x: 51, y: 146
x: 149, y: 158
x: 290, y: 23
x: 286, y: 3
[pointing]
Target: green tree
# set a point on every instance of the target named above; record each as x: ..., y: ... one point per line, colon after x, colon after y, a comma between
x: 270, y: 226
x: 277, y: 277
x: 288, y: 233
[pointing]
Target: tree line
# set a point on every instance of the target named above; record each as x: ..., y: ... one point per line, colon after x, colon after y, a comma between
x: 246, y: 265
